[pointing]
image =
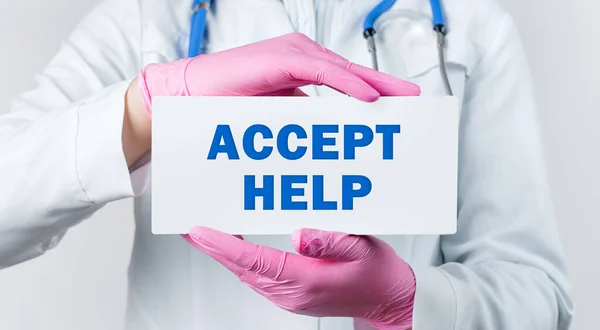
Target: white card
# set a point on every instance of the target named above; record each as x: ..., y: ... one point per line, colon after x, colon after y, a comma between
x: 272, y: 165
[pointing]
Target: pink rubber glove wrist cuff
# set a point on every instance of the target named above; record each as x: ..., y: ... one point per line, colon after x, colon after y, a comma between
x: 164, y: 80
x: 143, y: 88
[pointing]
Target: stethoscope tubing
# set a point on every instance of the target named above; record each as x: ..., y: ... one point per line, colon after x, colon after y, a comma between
x: 198, y: 27
x: 200, y: 11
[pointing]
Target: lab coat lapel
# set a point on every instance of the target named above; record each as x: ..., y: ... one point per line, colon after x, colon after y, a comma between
x: 233, y: 23
x: 166, y: 26
x: 230, y: 23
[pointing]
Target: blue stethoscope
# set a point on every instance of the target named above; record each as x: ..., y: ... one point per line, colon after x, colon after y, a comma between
x: 200, y: 9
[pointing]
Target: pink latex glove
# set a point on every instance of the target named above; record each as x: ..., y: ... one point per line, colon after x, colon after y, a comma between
x: 277, y: 66
x: 336, y: 274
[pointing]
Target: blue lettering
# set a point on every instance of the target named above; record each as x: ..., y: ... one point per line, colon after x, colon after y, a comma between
x: 283, y: 138
x: 288, y: 192
x: 251, y: 192
x: 348, y: 191
x: 248, y: 142
x: 319, y: 141
x: 388, y: 131
x: 319, y: 202
x: 351, y: 142
x: 223, y: 132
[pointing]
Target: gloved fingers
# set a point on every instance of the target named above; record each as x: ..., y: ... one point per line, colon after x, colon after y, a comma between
x: 238, y: 255
x: 303, y: 69
x: 385, y: 84
x: 235, y: 269
x: 331, y: 245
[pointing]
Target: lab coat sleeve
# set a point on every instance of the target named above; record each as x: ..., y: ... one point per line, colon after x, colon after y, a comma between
x: 60, y: 143
x: 504, y: 268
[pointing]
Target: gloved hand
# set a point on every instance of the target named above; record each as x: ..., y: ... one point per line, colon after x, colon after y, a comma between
x: 276, y: 66
x: 335, y: 274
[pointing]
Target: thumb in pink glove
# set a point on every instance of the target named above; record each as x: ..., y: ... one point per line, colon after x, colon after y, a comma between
x: 336, y: 274
x: 273, y: 67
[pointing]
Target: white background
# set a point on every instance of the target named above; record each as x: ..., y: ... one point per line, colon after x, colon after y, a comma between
x: 85, y: 277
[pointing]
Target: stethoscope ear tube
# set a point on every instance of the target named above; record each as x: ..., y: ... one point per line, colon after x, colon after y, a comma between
x: 369, y: 35
x: 369, y: 29
x: 439, y: 27
x: 437, y: 12
x: 441, y: 40
x: 198, y: 27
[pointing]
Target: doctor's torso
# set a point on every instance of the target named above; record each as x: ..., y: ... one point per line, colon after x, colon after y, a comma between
x: 174, y: 286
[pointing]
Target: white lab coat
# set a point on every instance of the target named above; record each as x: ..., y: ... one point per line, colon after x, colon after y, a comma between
x: 61, y: 160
